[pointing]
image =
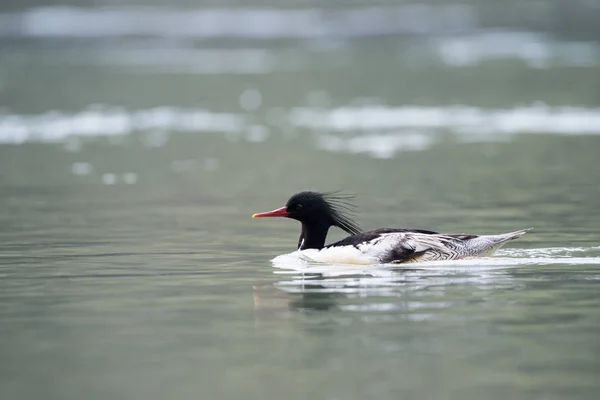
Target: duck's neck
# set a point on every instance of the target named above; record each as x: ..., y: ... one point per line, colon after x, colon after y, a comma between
x: 313, y: 236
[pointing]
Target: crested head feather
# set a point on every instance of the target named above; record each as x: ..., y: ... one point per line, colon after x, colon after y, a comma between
x: 341, y: 209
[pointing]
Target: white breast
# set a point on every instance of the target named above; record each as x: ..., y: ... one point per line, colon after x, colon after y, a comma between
x: 366, y: 253
x: 339, y: 255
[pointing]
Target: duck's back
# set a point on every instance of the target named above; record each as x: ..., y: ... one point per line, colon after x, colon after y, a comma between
x: 390, y: 245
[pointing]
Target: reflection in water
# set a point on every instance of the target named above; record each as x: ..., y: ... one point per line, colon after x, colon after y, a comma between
x: 314, y: 301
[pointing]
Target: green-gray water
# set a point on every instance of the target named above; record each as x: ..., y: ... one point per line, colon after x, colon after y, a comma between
x: 130, y: 267
x: 164, y: 288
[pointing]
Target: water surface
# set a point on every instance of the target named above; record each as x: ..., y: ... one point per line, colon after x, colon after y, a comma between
x: 164, y: 287
x: 130, y: 266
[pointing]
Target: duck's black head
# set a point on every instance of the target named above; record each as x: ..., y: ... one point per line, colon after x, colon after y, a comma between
x: 317, y: 212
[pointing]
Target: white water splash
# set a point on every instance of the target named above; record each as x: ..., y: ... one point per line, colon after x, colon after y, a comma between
x: 297, y: 262
x: 306, y: 276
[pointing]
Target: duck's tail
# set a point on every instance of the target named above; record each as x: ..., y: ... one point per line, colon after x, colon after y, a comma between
x: 505, y: 237
x: 498, y: 241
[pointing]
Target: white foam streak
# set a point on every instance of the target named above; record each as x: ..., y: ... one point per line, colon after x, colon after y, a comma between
x: 238, y: 22
x: 534, y: 49
x: 57, y: 126
x: 379, y: 146
x: 537, y: 118
x: 380, y: 131
x: 554, y: 252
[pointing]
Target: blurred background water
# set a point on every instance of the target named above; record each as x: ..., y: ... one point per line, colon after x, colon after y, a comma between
x: 137, y: 138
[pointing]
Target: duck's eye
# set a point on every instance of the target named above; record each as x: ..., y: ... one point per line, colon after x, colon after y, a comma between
x: 298, y: 206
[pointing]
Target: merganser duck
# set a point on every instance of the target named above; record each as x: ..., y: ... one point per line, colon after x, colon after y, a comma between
x: 317, y: 212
